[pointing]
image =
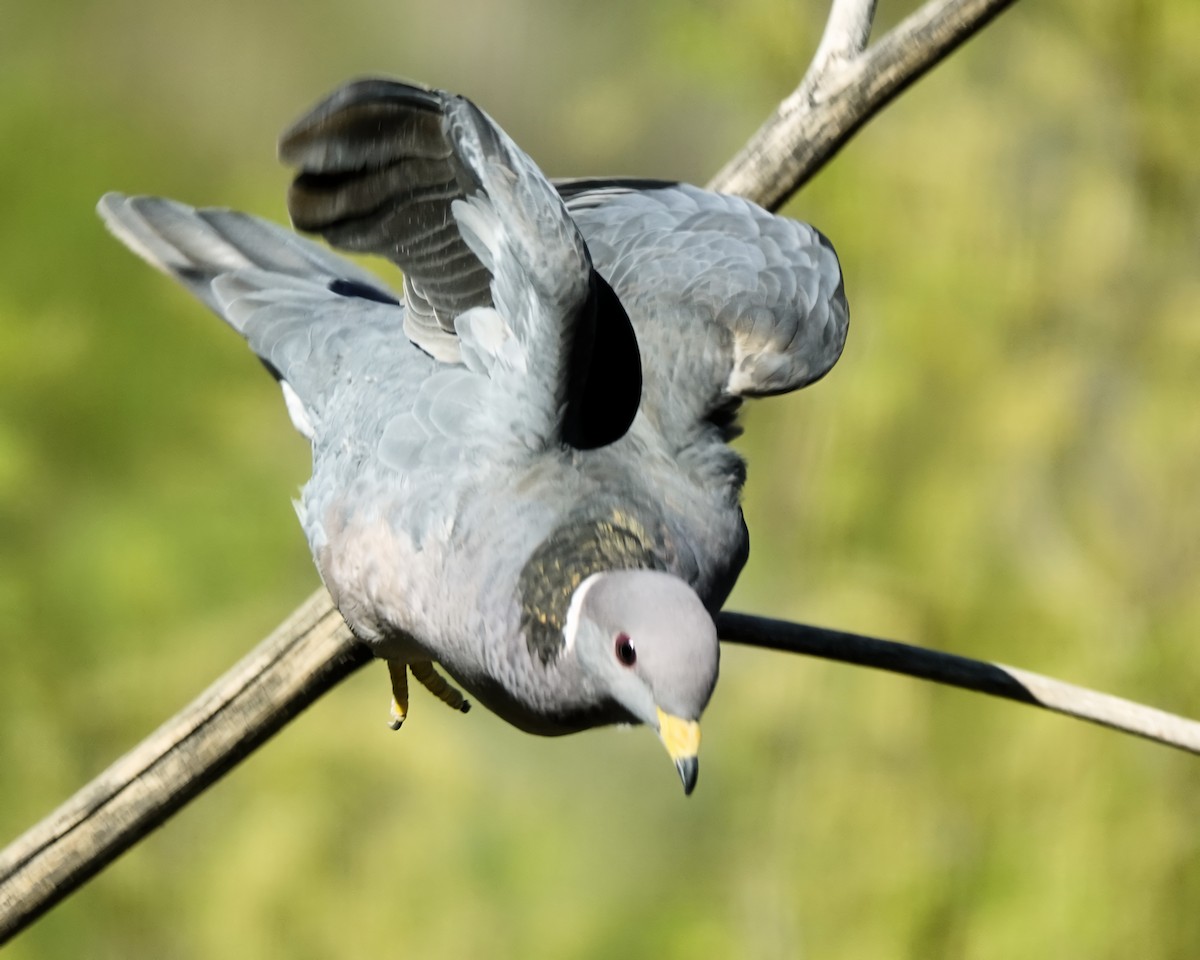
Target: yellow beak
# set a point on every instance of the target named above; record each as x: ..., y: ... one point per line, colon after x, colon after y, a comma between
x: 682, y: 740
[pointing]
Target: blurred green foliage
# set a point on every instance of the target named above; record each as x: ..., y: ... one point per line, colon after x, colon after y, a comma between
x: 1005, y: 464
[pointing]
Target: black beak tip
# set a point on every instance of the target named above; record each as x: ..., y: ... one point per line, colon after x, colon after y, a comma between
x: 689, y: 770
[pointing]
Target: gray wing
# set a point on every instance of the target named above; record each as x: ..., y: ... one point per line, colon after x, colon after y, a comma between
x: 488, y: 251
x: 333, y: 337
x: 728, y: 300
x: 373, y: 404
x: 380, y: 174
x: 305, y: 312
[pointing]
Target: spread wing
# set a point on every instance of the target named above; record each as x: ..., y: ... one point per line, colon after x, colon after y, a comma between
x: 375, y: 407
x: 305, y: 312
x: 496, y: 275
x: 728, y: 300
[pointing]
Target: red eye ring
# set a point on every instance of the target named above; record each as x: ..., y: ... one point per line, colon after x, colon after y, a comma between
x: 624, y: 650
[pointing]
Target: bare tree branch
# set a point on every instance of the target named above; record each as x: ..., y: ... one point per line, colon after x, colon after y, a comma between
x: 845, y: 88
x: 307, y: 654
x: 980, y: 676
x: 845, y: 37
x: 313, y: 650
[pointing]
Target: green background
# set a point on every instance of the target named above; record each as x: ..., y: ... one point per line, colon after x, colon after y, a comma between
x: 1004, y: 464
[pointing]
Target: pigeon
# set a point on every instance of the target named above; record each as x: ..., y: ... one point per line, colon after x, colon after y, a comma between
x: 522, y: 476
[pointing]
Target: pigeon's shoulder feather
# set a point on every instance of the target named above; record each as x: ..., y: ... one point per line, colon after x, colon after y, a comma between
x: 728, y: 300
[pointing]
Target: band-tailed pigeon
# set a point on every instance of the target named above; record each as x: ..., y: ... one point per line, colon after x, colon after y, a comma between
x: 520, y: 470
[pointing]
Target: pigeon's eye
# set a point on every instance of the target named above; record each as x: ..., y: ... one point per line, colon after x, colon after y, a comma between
x: 625, y: 652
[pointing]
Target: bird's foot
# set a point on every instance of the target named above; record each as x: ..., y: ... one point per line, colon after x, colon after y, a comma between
x: 399, y: 674
x: 439, y: 686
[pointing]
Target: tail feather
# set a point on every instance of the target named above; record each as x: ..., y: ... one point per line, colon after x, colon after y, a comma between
x: 198, y: 246
x: 287, y: 296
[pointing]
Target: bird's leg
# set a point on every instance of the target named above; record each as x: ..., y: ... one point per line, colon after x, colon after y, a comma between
x: 439, y: 686
x: 399, y: 674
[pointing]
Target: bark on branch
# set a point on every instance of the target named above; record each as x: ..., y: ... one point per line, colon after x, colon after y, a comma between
x: 308, y: 653
x: 846, y: 86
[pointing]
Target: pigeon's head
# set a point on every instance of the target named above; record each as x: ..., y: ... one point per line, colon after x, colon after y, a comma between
x: 645, y: 639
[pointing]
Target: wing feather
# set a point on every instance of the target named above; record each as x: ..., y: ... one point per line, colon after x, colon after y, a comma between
x: 430, y: 181
x: 728, y: 300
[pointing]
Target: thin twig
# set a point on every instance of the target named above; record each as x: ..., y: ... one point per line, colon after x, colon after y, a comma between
x: 829, y: 107
x: 846, y: 33
x: 976, y: 675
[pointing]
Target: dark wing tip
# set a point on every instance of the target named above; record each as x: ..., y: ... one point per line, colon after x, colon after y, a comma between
x: 605, y: 388
x: 354, y: 109
x: 355, y: 288
x: 584, y: 192
x: 378, y: 167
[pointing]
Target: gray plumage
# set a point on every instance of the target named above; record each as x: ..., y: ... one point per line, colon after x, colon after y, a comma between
x: 504, y: 480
